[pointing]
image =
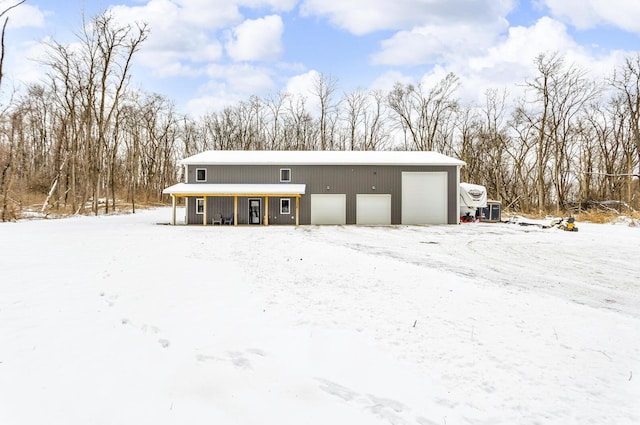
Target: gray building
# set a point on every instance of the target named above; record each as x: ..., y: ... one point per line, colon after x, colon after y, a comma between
x: 319, y: 187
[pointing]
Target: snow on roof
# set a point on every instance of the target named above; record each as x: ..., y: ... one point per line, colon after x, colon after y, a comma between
x: 235, y: 189
x: 321, y: 158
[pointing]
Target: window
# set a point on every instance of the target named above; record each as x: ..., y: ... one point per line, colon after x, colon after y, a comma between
x: 201, y: 174
x: 285, y: 174
x: 285, y: 206
x: 199, y: 205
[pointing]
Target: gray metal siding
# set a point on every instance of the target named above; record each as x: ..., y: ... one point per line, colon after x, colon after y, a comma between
x: 222, y: 205
x: 346, y: 179
x: 274, y: 212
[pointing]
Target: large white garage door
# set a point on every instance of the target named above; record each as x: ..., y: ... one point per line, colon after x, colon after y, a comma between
x: 328, y: 209
x: 373, y: 209
x: 424, y: 198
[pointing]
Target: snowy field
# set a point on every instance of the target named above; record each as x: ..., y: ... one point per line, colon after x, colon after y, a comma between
x: 118, y: 320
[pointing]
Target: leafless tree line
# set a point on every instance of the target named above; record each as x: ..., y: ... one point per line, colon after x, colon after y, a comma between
x: 82, y: 139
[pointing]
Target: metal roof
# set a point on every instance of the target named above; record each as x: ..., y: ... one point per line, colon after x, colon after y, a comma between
x: 321, y: 158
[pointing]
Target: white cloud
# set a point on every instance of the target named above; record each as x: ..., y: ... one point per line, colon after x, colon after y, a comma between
x: 184, y: 43
x: 208, y: 13
x: 23, y: 16
x: 228, y: 85
x: 365, y: 16
x: 508, y: 62
x: 386, y: 81
x: 174, y: 68
x: 511, y: 61
x: 584, y: 14
x: 437, y: 43
x: 523, y: 44
x: 23, y: 63
x: 257, y: 39
x: 205, y: 104
x: 180, y: 15
x: 188, y: 31
x: 241, y: 78
x: 180, y: 31
x: 468, y: 37
x: 278, y: 5
x: 301, y: 86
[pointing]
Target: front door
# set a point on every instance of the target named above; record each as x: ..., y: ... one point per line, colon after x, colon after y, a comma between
x: 254, y: 211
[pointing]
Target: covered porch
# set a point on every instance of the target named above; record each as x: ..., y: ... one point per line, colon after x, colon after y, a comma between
x: 235, y: 191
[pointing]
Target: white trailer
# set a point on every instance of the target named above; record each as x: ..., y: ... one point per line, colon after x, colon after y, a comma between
x: 473, y: 197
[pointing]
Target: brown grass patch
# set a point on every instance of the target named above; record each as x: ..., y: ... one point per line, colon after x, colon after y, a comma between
x: 595, y: 216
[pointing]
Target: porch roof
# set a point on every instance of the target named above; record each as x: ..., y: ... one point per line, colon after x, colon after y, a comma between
x: 207, y: 189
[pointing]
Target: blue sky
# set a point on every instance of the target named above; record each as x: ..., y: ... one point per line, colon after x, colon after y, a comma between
x: 204, y: 54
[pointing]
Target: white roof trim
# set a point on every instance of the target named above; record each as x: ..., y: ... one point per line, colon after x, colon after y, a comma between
x: 283, y: 158
x: 235, y: 189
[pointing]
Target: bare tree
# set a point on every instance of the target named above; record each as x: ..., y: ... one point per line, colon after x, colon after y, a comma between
x: 4, y: 28
x: 425, y: 115
x: 467, y: 149
x: 626, y: 80
x: 324, y: 87
x: 496, y: 140
x: 355, y: 105
x: 274, y: 131
x: 547, y: 68
x: 300, y: 129
x: 9, y: 158
x: 561, y: 94
x: 364, y: 114
x: 110, y: 48
x: 9, y: 164
x: 376, y: 134
x: 521, y: 150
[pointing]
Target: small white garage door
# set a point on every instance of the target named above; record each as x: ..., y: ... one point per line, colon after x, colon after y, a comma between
x: 373, y: 209
x: 328, y: 209
x: 424, y: 198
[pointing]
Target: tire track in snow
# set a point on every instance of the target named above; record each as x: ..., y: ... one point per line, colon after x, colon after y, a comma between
x: 547, y: 261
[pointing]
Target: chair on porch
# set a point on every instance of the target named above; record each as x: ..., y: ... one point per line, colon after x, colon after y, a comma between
x: 228, y: 220
x: 217, y: 219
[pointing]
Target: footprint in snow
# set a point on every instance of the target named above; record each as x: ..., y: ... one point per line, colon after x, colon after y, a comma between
x: 145, y: 329
x: 110, y: 300
x: 337, y: 390
x: 239, y: 359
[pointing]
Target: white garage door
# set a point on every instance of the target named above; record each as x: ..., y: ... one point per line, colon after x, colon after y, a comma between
x: 424, y: 198
x: 373, y: 209
x: 328, y: 209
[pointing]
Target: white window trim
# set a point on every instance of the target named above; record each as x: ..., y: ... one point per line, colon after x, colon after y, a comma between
x: 288, y: 200
x: 197, y: 202
x: 285, y: 169
x: 205, y: 175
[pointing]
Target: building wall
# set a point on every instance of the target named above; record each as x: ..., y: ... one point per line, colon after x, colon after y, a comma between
x: 347, y: 179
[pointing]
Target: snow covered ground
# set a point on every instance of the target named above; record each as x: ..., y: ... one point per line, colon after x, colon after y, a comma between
x: 119, y: 320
